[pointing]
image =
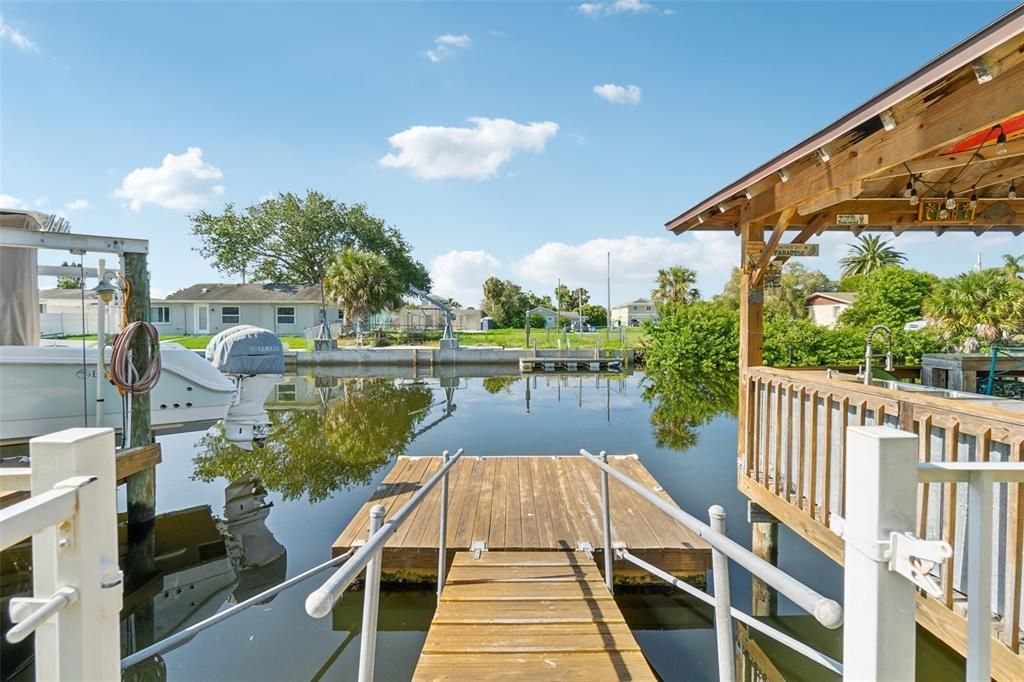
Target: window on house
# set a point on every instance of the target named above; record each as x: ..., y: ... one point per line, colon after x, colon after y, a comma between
x: 160, y: 314
x: 286, y: 315
x: 836, y: 310
x: 230, y: 314
x: 648, y: 308
x: 42, y: 307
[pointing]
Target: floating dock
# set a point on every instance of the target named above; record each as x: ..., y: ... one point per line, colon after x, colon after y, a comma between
x: 528, y: 615
x: 546, y: 364
x: 526, y: 503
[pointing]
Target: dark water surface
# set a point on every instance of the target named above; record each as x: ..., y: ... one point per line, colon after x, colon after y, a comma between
x: 334, y: 441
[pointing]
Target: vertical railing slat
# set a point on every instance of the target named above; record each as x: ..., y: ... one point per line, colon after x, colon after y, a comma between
x: 1014, y: 555
x: 949, y: 514
x: 812, y: 477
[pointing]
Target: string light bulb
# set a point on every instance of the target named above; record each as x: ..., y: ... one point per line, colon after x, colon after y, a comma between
x: 950, y: 200
x: 914, y: 199
x: 1001, y: 142
x: 1012, y: 194
x: 908, y: 190
x: 974, y: 199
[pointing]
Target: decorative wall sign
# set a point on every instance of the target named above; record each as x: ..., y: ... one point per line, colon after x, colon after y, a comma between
x: 851, y: 219
x: 796, y: 250
x: 935, y: 211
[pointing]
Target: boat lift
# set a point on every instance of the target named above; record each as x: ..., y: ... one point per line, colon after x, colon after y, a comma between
x: 448, y: 339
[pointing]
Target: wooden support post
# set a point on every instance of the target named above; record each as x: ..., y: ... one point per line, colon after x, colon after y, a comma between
x: 765, y: 535
x: 141, y: 486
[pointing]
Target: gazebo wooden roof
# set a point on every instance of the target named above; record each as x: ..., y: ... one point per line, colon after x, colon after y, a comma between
x: 956, y: 124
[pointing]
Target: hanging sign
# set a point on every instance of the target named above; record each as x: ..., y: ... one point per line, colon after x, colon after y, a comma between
x: 851, y: 219
x: 772, y: 276
x: 796, y: 250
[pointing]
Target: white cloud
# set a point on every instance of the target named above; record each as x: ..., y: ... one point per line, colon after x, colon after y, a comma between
x: 15, y: 37
x: 182, y: 182
x: 635, y: 262
x: 596, y: 9
x: 446, y: 46
x: 475, y: 152
x: 619, y: 94
x: 77, y: 205
x: 9, y: 201
x: 590, y: 9
x: 39, y: 202
x: 461, y: 274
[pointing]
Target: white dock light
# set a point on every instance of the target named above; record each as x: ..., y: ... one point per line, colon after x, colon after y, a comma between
x: 104, y: 291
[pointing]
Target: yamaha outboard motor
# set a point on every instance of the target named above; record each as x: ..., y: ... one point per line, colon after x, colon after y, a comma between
x: 254, y: 358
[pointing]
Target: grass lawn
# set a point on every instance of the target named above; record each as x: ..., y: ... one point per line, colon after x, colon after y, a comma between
x: 548, y: 338
x: 509, y: 338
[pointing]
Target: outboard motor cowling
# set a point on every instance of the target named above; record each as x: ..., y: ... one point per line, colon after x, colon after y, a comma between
x: 254, y: 358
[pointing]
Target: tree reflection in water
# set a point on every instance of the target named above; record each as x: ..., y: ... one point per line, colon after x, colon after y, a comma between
x: 685, y: 399
x: 317, y: 450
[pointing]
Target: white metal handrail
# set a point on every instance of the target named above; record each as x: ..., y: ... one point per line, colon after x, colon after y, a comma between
x: 825, y: 611
x: 320, y: 602
x: 39, y: 512
x: 182, y: 636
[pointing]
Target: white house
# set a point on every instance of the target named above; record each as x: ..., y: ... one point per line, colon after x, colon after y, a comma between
x: 825, y: 307
x: 551, y: 316
x: 201, y: 309
x: 633, y: 313
x: 61, y: 313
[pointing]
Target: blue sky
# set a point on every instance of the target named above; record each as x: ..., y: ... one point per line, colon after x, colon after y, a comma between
x: 480, y: 129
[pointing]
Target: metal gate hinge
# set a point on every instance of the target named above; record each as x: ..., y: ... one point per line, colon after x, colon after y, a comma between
x: 905, y: 553
x: 478, y: 547
x: 586, y: 548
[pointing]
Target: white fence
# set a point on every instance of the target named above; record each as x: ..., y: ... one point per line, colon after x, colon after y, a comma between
x: 72, y: 520
x: 70, y: 324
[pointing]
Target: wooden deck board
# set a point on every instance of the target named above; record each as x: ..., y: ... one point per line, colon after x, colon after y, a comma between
x: 488, y: 628
x: 524, y: 503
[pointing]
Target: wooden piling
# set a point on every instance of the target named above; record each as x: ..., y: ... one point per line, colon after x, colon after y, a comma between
x: 141, y: 486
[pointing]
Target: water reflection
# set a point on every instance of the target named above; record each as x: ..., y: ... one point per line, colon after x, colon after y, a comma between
x: 682, y: 402
x: 332, y: 437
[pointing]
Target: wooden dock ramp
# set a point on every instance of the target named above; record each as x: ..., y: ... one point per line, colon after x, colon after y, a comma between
x: 526, y: 503
x: 528, y: 616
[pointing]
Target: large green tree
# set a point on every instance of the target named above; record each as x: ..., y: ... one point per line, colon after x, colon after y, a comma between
x: 891, y: 296
x: 675, y: 285
x: 870, y: 252
x: 569, y: 299
x: 292, y: 239
x: 1013, y: 265
x: 363, y: 283
x: 506, y: 302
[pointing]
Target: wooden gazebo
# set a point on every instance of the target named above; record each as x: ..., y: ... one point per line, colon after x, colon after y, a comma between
x: 939, y: 151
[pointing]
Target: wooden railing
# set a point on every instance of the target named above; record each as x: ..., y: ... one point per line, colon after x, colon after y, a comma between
x: 793, y: 458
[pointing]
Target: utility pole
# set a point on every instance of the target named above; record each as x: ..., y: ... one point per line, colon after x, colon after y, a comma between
x: 558, y: 305
x: 608, y: 317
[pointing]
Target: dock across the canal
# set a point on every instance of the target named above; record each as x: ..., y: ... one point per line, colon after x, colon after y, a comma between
x: 549, y: 503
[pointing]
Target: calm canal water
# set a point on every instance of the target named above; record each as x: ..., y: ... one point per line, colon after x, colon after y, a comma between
x: 335, y: 438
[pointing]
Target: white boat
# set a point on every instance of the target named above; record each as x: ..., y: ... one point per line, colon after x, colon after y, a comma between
x: 47, y: 388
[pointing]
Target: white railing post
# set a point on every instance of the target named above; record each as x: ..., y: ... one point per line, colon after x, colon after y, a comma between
x: 371, y: 602
x: 979, y: 577
x: 442, y: 540
x: 609, y: 552
x: 723, y: 601
x: 83, y: 641
x: 881, y: 484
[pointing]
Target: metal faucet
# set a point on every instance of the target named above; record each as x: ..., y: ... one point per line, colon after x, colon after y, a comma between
x: 868, y: 351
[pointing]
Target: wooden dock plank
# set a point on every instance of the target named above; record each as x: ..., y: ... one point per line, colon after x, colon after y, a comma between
x: 488, y: 628
x: 524, y: 503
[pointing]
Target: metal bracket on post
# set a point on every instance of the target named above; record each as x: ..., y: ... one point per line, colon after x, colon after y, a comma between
x: 585, y: 547
x: 478, y: 547
x: 906, y: 554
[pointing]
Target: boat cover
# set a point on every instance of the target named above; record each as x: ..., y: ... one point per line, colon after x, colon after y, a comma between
x: 246, y: 350
x: 19, y: 293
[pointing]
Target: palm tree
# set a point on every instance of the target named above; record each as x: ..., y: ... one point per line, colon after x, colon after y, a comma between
x: 869, y: 253
x: 452, y: 303
x: 1013, y: 266
x: 982, y: 305
x: 362, y: 283
x: 675, y: 285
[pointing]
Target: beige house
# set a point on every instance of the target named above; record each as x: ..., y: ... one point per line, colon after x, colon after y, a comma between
x: 201, y: 309
x: 825, y: 307
x: 633, y: 314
